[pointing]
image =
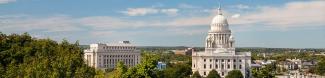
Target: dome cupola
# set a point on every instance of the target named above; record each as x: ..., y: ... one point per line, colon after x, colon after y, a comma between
x: 219, y: 22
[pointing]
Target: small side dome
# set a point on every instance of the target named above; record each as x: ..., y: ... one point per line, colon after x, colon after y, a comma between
x: 231, y: 38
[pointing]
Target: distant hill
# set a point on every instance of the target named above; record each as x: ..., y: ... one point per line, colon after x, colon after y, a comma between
x: 84, y: 46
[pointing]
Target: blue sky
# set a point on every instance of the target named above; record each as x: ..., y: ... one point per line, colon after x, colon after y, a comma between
x: 255, y: 23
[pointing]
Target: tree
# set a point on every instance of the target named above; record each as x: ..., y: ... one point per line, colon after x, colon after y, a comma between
x: 196, y: 75
x: 265, y: 72
x: 147, y: 66
x: 146, y: 69
x: 213, y: 74
x: 131, y: 73
x: 234, y: 74
x: 99, y: 74
x: 120, y: 70
x: 320, y: 68
x: 179, y: 70
x: 24, y: 56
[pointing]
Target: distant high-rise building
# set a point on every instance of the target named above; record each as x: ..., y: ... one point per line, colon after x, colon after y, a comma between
x: 220, y: 52
x: 103, y: 56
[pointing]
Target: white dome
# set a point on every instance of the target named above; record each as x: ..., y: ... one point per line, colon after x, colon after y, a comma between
x: 219, y: 23
x: 219, y: 19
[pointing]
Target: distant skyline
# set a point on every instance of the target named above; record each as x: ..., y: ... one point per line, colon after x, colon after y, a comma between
x: 255, y: 23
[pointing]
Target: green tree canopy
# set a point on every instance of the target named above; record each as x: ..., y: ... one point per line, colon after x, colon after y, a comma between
x: 266, y: 72
x: 320, y: 68
x: 24, y: 56
x: 213, y: 74
x: 99, y: 74
x: 196, y: 75
x: 234, y: 74
x: 179, y: 70
x: 146, y: 69
x: 120, y: 70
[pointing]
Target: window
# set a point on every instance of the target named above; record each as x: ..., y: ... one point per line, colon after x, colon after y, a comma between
x: 234, y: 60
x: 222, y: 74
x: 228, y: 66
x: 234, y: 66
x: 222, y: 60
x: 204, y: 60
x: 239, y: 60
x: 222, y: 66
x: 204, y: 73
x: 210, y: 60
x: 204, y: 66
x: 228, y: 60
x: 194, y: 65
x: 216, y: 66
x: 239, y: 66
x: 210, y: 66
x: 216, y: 60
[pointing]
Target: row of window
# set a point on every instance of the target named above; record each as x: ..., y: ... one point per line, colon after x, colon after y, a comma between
x: 119, y: 50
x: 117, y: 47
x: 222, y: 73
x: 222, y: 60
x: 105, y: 56
x: 114, y: 61
x: 222, y: 66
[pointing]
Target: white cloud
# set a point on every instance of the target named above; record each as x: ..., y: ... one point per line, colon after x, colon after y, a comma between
x: 172, y: 11
x: 6, y: 1
x: 294, y: 14
x: 140, y: 11
x: 291, y: 15
x: 148, y: 11
x: 27, y: 23
x: 101, y: 33
x: 235, y: 16
x: 241, y: 6
x: 187, y: 6
x: 106, y: 22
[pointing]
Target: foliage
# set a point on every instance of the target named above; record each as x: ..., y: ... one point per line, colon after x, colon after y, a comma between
x: 24, y: 56
x: 213, y: 74
x: 266, y: 72
x: 120, y: 70
x: 99, y: 74
x: 196, y: 75
x: 179, y: 70
x: 234, y: 74
x: 320, y: 68
x: 146, y: 69
x: 131, y: 73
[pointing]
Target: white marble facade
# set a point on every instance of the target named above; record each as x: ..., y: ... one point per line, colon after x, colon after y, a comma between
x: 103, y: 56
x: 220, y: 52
